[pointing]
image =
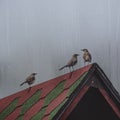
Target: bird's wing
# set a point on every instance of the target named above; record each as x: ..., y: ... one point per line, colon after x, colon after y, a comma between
x: 90, y: 57
x: 84, y: 56
x: 29, y: 78
x: 72, y: 61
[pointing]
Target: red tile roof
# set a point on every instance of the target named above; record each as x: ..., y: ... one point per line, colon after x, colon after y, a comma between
x: 43, y: 100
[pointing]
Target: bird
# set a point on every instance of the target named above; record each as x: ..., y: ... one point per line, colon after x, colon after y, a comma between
x: 86, y: 56
x: 30, y: 79
x: 71, y: 62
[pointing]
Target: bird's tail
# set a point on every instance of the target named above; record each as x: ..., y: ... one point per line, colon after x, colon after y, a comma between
x: 22, y: 83
x: 63, y: 67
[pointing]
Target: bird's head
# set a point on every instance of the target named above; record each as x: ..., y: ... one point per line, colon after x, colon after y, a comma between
x: 34, y: 73
x: 84, y: 50
x: 75, y: 55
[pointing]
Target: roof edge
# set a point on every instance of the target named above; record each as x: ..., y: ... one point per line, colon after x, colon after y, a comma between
x: 94, y: 68
x: 107, y: 82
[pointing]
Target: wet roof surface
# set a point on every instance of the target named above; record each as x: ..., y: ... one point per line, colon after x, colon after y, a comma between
x: 44, y: 100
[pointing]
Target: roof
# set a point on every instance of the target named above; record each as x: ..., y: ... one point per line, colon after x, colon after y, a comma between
x: 51, y: 99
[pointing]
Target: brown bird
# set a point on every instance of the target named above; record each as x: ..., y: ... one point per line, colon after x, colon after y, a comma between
x: 86, y: 56
x: 71, y: 63
x: 30, y: 79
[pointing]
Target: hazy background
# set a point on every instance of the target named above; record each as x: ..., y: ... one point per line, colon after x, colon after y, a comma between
x: 41, y: 35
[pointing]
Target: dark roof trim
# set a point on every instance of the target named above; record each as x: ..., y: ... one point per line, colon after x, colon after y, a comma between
x: 75, y: 93
x: 107, y: 83
x: 95, y: 68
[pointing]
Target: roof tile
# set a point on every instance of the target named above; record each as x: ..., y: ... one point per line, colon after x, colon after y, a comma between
x: 14, y: 114
x: 76, y: 75
x: 56, y: 102
x: 46, y: 117
x: 34, y: 110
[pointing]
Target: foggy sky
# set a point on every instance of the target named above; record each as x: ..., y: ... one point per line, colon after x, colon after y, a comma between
x: 41, y: 35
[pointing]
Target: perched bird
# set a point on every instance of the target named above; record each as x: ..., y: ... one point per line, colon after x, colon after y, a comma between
x: 71, y: 63
x: 30, y: 79
x: 86, y: 56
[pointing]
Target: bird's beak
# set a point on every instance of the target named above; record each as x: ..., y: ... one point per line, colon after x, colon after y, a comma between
x: 81, y: 49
